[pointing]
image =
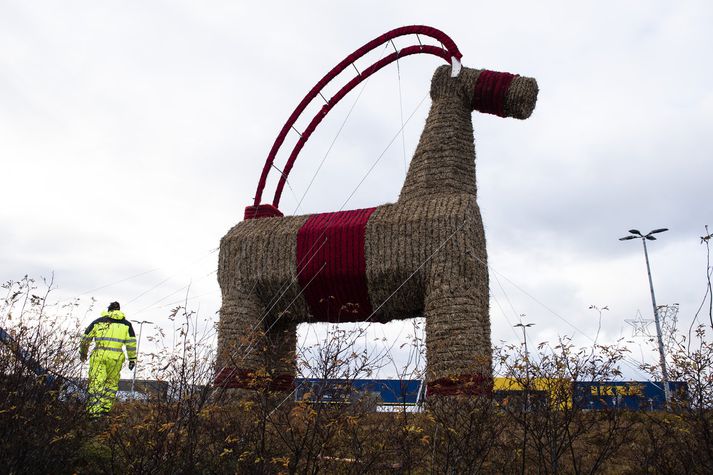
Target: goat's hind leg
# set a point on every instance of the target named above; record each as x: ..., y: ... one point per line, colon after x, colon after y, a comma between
x: 256, y: 351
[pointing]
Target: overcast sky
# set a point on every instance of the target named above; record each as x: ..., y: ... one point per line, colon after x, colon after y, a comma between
x: 132, y: 135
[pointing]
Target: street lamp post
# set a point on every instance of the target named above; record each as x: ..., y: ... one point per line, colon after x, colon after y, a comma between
x: 524, y: 327
x: 635, y: 234
x: 138, y: 344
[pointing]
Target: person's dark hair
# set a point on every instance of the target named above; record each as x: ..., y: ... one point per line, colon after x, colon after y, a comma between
x: 114, y: 306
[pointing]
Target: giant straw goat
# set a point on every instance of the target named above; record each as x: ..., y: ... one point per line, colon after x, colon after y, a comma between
x: 424, y: 255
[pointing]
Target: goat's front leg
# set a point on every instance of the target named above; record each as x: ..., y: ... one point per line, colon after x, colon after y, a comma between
x: 458, y: 341
x: 456, y: 307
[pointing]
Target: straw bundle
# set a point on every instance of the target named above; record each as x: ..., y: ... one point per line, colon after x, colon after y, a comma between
x: 422, y: 256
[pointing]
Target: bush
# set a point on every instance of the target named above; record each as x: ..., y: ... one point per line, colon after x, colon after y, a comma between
x: 194, y: 428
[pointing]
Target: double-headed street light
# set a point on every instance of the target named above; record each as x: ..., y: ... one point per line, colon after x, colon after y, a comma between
x: 524, y: 327
x: 635, y: 234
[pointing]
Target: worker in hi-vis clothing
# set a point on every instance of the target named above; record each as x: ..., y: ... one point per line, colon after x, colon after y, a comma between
x: 110, y: 332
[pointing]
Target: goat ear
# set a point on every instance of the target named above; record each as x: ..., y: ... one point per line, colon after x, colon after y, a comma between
x: 456, y: 67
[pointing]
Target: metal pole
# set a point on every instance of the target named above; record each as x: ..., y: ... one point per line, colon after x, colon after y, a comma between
x: 527, y: 368
x: 524, y: 327
x: 662, y: 354
x: 526, y: 407
x: 138, y: 344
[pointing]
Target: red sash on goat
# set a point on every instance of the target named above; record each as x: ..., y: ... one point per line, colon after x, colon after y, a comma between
x: 331, y: 265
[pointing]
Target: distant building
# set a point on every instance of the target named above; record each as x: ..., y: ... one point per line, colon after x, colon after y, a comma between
x: 588, y: 395
x: 381, y: 392
x: 632, y: 395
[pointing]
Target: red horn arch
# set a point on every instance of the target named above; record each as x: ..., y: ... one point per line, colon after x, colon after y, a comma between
x: 447, y: 52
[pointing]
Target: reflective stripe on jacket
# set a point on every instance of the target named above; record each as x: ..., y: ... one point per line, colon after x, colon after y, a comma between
x: 110, y: 333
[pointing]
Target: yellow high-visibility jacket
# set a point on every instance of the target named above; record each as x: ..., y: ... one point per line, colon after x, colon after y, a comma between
x: 110, y: 333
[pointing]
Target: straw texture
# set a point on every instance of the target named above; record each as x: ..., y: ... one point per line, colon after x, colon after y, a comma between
x: 257, y: 273
x: 422, y: 256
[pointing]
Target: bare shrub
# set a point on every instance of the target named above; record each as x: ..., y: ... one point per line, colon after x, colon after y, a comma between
x: 41, y: 420
x: 558, y: 435
x: 194, y: 427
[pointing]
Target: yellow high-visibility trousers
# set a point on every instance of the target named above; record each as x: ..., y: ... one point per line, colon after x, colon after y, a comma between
x: 104, y: 374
